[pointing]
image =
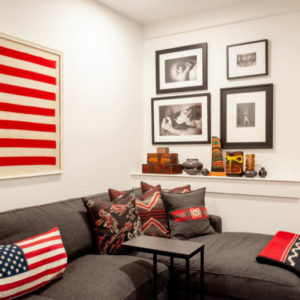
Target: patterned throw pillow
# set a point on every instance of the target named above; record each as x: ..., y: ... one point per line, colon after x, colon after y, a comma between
x: 30, y: 264
x: 153, y: 214
x: 181, y: 189
x: 187, y: 214
x: 114, y: 222
x: 146, y: 187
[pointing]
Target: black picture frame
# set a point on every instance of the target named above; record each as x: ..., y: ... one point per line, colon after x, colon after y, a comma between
x: 263, y: 125
x: 180, y: 102
x: 248, y: 55
x: 197, y: 50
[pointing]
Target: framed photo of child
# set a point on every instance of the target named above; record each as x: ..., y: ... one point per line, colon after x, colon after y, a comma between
x: 181, y: 119
x: 181, y: 69
x: 247, y: 117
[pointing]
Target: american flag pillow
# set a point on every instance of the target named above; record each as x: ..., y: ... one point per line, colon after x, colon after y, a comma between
x: 30, y: 264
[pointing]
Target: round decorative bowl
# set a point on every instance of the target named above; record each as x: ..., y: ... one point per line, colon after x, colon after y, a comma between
x: 192, y: 166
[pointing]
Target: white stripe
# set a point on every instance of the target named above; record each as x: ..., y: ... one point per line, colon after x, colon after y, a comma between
x: 41, y: 237
x: 10, y: 152
x: 27, y: 83
x: 21, y: 100
x: 42, y: 246
x: 49, y: 254
x: 28, y: 134
x: 31, y: 284
x: 26, y: 118
x: 11, y: 171
x: 28, y: 66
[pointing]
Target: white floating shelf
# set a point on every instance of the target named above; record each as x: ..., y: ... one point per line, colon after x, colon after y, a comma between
x: 266, y: 187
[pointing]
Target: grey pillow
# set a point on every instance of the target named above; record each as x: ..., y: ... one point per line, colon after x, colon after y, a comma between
x: 187, y: 214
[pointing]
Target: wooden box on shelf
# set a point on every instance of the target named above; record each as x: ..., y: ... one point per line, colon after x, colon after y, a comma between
x: 162, y: 168
x: 162, y: 158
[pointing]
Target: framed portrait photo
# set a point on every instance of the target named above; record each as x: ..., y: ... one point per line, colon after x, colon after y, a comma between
x: 247, y: 117
x: 181, y: 69
x: 181, y: 119
x: 247, y: 59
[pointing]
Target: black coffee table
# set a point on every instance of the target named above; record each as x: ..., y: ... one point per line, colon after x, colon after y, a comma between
x: 174, y: 249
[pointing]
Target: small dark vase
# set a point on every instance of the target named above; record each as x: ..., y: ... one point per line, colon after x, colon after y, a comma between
x: 205, y: 172
x: 262, y: 172
x: 192, y: 166
x: 250, y: 173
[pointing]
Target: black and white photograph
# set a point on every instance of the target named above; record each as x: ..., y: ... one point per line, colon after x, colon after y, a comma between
x: 245, y: 114
x: 181, y: 69
x: 247, y: 59
x: 247, y: 117
x: 181, y: 119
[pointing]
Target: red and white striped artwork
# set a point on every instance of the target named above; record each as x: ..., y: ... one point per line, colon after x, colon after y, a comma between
x: 30, y: 109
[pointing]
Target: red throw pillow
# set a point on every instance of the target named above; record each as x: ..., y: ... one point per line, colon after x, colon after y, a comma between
x: 30, y: 264
x: 282, y: 251
x: 181, y: 189
x: 153, y: 214
x: 146, y: 187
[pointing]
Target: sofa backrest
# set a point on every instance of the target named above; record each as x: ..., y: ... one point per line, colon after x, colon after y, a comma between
x: 70, y: 216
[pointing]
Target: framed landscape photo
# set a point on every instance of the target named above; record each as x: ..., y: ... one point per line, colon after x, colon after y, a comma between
x: 247, y: 59
x: 181, y: 69
x: 181, y: 119
x: 247, y: 117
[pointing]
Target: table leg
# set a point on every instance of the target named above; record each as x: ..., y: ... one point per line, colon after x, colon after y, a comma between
x: 171, y: 275
x: 202, y: 273
x: 154, y: 276
x: 187, y: 279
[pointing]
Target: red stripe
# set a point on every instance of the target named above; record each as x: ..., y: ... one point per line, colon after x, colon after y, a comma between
x: 41, y: 241
x: 26, y: 143
x: 32, y: 288
x: 27, y: 161
x: 28, y: 57
x: 20, y: 125
x: 43, y: 250
x: 42, y: 234
x: 27, y: 92
x: 23, y: 109
x: 27, y: 74
x: 47, y: 261
x: 32, y: 278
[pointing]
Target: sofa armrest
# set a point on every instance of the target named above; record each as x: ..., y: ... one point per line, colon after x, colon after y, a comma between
x: 216, y: 222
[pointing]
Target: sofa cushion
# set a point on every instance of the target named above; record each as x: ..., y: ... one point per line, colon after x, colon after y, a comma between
x: 187, y: 214
x: 103, y: 277
x: 70, y: 216
x: 153, y: 214
x: 231, y: 269
x: 31, y: 263
x: 114, y: 222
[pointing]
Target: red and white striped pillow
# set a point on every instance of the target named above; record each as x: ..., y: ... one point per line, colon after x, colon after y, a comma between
x: 30, y: 264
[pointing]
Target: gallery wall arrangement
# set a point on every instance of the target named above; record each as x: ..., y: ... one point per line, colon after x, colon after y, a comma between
x: 246, y: 112
x: 30, y: 107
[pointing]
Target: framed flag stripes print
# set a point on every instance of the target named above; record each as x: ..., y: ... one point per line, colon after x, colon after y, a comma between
x: 30, y: 109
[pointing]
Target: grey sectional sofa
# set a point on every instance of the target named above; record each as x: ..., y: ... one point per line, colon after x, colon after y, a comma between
x: 231, y: 271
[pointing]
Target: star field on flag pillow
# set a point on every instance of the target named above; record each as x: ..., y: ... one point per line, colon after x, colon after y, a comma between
x: 30, y: 264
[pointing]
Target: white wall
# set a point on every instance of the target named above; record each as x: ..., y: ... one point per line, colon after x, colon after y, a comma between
x: 101, y: 96
x: 282, y: 30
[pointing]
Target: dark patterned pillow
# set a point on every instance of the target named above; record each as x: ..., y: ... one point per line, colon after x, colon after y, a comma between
x: 187, y: 214
x: 114, y: 222
x: 153, y: 214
